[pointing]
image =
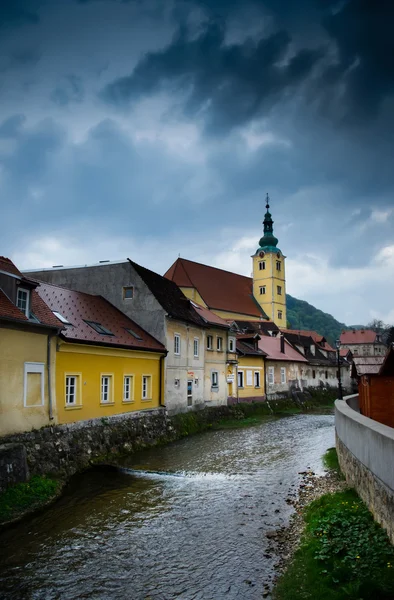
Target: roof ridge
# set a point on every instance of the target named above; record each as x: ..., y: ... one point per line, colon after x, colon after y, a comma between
x: 213, y: 268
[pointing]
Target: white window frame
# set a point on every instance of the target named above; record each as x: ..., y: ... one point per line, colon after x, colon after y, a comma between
x: 196, y: 347
x: 146, y: 387
x: 77, y: 390
x: 110, y: 388
x: 262, y: 265
x: 257, y: 379
x: 271, y: 375
x: 128, y: 391
x: 209, y: 342
x: 33, y: 367
x: 280, y: 314
x: 25, y: 310
x: 231, y: 344
x: 240, y: 379
x: 249, y: 377
x: 177, y: 344
x: 283, y: 375
x: 189, y: 397
x: 219, y: 343
x: 262, y: 290
x: 215, y: 379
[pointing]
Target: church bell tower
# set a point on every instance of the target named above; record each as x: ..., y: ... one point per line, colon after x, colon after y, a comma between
x: 269, y: 283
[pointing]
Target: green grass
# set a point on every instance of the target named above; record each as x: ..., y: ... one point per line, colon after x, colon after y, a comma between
x: 344, y: 554
x: 330, y: 460
x: 21, y: 497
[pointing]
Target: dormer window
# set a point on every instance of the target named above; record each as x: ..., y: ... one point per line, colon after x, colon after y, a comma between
x: 22, y: 301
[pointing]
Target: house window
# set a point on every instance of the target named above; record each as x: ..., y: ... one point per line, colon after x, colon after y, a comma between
x: 278, y: 265
x: 195, y: 347
x: 189, y: 392
x: 280, y: 314
x: 99, y: 328
x: 279, y: 290
x: 257, y: 379
x: 240, y: 379
x: 209, y: 342
x: 262, y: 265
x: 314, y: 374
x: 283, y: 375
x: 33, y: 384
x: 72, y: 390
x: 22, y: 301
x: 106, y: 389
x: 271, y: 375
x: 249, y: 377
x: 326, y: 374
x: 219, y: 344
x: 177, y: 344
x: 128, y: 388
x: 146, y: 387
x: 231, y: 345
x: 128, y: 292
x: 262, y: 290
x: 215, y: 379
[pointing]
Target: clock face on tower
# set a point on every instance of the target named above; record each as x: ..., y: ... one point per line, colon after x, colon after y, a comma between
x: 262, y: 254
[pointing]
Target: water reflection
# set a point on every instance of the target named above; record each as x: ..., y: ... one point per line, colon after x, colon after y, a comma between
x: 185, y: 521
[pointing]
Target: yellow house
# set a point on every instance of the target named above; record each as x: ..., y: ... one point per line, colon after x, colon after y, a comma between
x: 250, y: 369
x: 105, y: 363
x: 28, y: 331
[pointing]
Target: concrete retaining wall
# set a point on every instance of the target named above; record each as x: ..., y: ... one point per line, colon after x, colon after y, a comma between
x: 366, y: 456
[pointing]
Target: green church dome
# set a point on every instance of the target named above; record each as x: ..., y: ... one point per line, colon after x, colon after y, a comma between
x: 268, y: 243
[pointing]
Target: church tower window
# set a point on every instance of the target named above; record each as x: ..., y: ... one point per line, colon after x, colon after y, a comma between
x: 262, y: 265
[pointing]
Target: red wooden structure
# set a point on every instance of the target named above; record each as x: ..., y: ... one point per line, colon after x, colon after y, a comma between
x: 376, y: 389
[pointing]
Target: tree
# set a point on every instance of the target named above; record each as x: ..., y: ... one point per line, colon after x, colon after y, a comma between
x: 390, y: 336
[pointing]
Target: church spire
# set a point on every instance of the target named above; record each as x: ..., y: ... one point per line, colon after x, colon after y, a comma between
x: 268, y: 241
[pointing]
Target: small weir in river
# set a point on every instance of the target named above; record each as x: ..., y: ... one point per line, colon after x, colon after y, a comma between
x: 186, y: 521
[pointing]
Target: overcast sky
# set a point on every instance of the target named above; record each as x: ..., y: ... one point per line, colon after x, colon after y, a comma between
x: 150, y: 129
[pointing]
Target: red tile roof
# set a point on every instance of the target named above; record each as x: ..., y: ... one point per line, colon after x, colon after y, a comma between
x: 271, y: 346
x: 210, y: 317
x: 9, y: 310
x: 248, y: 350
x: 8, y: 266
x: 358, y: 336
x: 78, y: 307
x: 220, y: 290
x: 317, y: 337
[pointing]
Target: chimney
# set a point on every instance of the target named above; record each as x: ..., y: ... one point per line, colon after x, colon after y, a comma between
x: 282, y: 343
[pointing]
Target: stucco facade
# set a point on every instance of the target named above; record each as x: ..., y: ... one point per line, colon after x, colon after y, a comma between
x: 282, y: 376
x: 89, y: 364
x: 251, y: 377
x: 24, y: 378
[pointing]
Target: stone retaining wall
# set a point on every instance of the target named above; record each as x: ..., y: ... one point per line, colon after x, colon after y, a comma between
x: 366, y: 457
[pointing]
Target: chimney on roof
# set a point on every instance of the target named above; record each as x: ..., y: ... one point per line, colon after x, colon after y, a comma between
x: 362, y: 331
x: 354, y: 331
x: 282, y: 343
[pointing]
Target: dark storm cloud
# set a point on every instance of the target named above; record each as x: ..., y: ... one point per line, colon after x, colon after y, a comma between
x: 239, y: 81
x: 232, y: 84
x: 71, y: 91
x: 17, y: 12
x: 363, y: 32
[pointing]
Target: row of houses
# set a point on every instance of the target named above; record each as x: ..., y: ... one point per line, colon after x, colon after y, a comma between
x: 94, y: 341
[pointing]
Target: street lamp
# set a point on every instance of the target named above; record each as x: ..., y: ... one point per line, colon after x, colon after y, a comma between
x: 340, y: 393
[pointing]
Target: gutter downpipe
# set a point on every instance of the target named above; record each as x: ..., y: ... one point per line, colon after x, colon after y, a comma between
x: 162, y: 358
x: 50, y: 402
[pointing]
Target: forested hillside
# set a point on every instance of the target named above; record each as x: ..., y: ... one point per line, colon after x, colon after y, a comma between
x: 302, y: 315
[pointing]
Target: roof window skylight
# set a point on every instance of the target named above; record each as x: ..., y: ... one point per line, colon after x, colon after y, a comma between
x: 134, y: 334
x: 99, y: 328
x: 61, y: 318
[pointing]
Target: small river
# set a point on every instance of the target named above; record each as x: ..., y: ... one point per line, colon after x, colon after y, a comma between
x: 186, y: 521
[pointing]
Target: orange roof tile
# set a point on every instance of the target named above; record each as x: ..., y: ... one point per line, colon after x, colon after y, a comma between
x: 271, y: 346
x: 358, y: 336
x: 220, y: 290
x: 9, y: 310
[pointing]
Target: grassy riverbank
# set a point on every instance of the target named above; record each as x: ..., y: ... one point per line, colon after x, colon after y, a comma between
x: 343, y: 555
x: 23, y: 498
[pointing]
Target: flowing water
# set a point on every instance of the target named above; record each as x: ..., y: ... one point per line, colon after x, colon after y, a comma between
x: 187, y: 521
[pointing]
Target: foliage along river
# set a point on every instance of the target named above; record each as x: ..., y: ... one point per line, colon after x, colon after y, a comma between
x: 187, y: 521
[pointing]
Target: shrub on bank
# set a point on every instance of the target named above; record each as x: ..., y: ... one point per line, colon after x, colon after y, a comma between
x: 24, y: 497
x: 344, y: 553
